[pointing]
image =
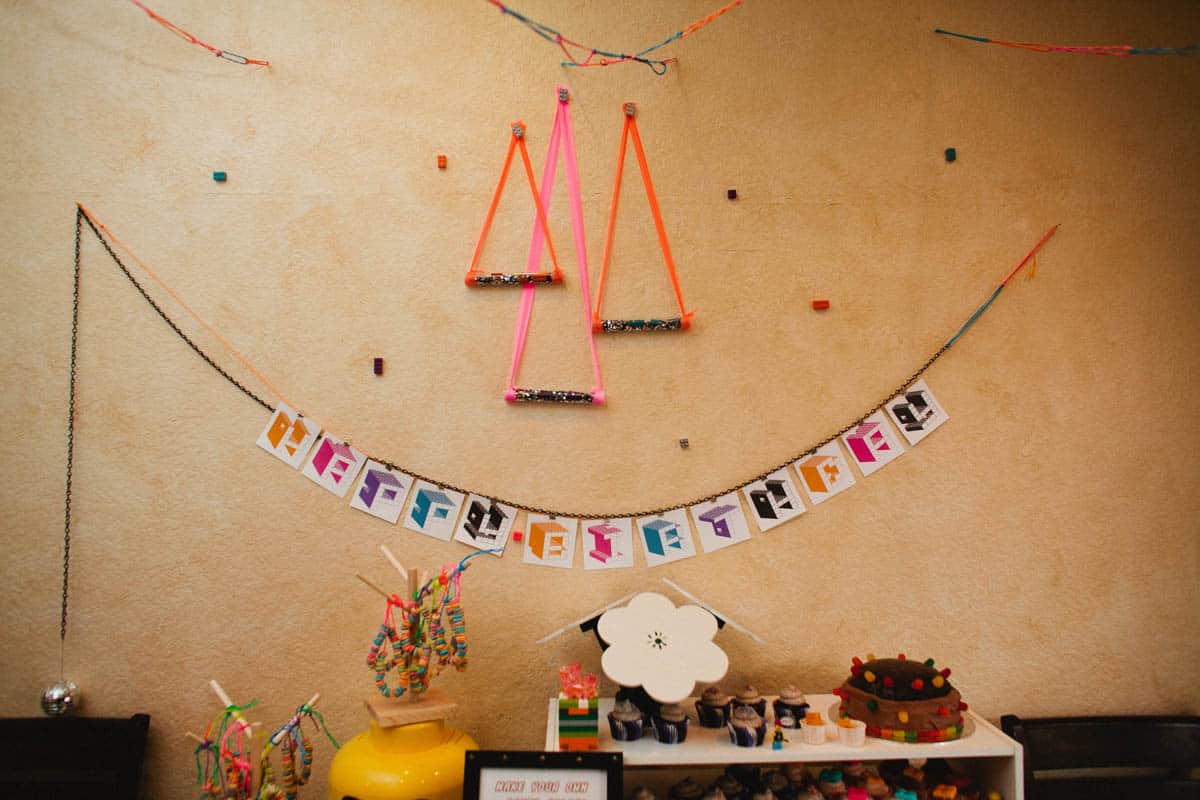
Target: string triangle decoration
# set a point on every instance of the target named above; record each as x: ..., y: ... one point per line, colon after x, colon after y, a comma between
x: 684, y: 320
x: 562, y: 136
x: 475, y: 276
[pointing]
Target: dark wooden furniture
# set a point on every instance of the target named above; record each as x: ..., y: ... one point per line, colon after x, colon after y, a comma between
x: 72, y: 757
x: 1109, y: 758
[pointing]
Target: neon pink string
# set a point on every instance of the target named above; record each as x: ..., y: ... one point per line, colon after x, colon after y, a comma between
x: 532, y: 264
x: 563, y: 133
x: 580, y: 245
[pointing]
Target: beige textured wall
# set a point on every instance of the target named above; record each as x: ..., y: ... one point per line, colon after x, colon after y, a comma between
x: 1043, y: 543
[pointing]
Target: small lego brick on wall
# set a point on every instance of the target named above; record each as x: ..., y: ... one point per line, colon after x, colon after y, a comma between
x: 219, y: 176
x: 820, y: 305
x: 377, y: 365
x: 441, y: 161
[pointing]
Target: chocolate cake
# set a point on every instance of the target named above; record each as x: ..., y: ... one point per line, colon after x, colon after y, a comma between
x: 902, y: 700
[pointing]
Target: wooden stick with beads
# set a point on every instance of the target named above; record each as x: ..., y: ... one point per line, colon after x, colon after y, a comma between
x: 420, y: 634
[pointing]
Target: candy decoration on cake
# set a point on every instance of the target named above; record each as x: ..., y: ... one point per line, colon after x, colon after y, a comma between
x: 902, y: 699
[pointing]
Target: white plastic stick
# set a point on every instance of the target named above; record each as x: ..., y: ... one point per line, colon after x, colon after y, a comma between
x: 395, y: 561
x: 712, y: 610
x: 583, y: 619
x: 224, y: 698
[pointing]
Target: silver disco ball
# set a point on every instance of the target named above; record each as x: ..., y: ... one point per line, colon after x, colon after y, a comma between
x: 61, y: 698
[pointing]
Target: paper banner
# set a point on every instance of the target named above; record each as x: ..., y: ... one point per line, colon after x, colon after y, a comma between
x: 824, y: 473
x: 550, y: 541
x: 916, y: 412
x: 334, y: 465
x: 288, y: 436
x: 607, y: 543
x: 773, y: 500
x: 433, y: 511
x: 666, y: 538
x: 720, y: 523
x: 485, y: 524
x: 873, y: 444
x: 381, y: 492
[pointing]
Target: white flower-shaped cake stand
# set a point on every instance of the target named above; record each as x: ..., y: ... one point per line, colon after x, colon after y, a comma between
x: 664, y: 649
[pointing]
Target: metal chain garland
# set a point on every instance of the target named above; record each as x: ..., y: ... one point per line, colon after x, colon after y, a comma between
x: 66, y: 572
x: 649, y: 512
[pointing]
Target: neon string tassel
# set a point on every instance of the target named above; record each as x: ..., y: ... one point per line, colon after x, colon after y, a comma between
x: 1084, y: 50
x: 585, y: 56
x: 182, y: 34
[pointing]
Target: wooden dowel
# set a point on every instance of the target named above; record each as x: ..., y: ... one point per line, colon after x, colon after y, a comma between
x: 365, y: 580
x: 194, y: 737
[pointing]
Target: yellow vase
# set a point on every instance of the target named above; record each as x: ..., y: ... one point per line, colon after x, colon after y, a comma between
x: 423, y: 761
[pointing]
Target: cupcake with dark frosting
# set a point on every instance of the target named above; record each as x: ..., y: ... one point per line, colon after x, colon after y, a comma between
x: 730, y: 787
x: 750, y: 697
x: 713, y: 708
x: 686, y: 789
x: 790, y: 707
x: 746, y: 727
x: 625, y: 722
x: 671, y: 724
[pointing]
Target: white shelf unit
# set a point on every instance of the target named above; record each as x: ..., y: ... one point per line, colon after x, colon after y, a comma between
x: 984, y: 752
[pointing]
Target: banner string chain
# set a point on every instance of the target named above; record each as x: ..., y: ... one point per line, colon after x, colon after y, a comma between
x: 607, y: 57
x: 649, y: 512
x: 86, y: 215
x: 1084, y: 50
x: 62, y: 630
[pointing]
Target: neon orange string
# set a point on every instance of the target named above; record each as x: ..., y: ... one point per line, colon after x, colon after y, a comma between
x: 1029, y: 255
x: 700, y: 23
x: 514, y: 143
x: 146, y: 268
x: 181, y: 33
x: 630, y: 129
x: 612, y: 220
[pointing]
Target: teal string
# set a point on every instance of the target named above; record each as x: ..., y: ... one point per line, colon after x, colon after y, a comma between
x: 963, y: 36
x: 978, y: 313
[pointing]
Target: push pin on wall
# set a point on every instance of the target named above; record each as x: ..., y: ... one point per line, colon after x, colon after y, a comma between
x: 683, y: 443
x: 951, y: 155
x: 820, y: 305
x: 378, y: 366
x: 441, y: 161
x: 518, y: 536
x: 731, y: 194
x: 219, y: 177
